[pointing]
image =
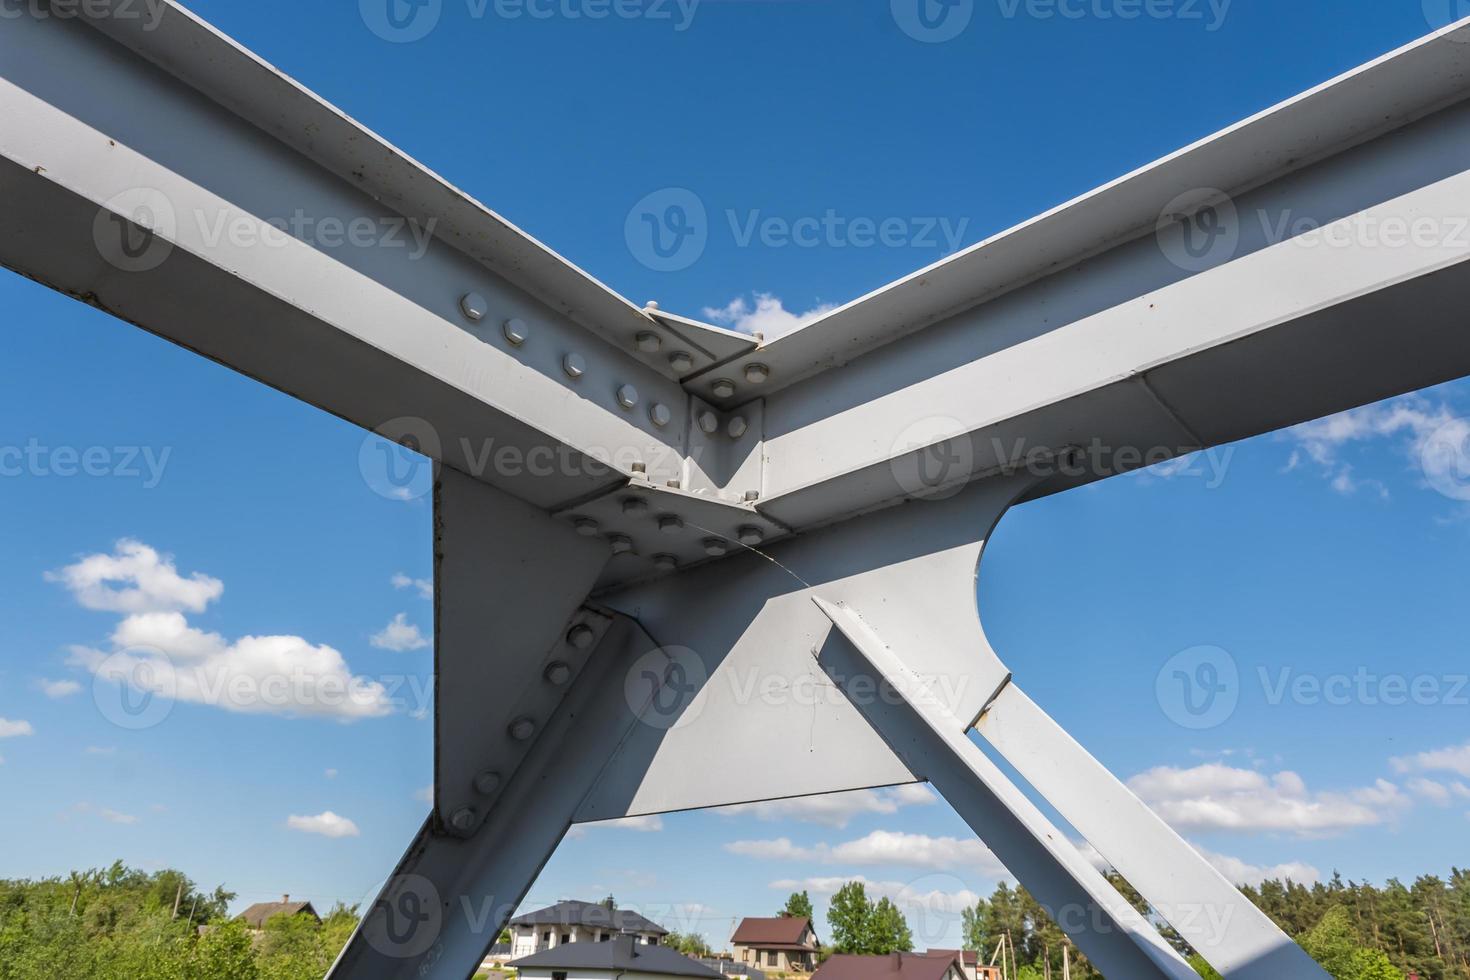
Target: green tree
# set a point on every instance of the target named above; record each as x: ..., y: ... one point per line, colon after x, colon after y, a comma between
x: 848, y: 916
x: 1334, y: 943
x: 798, y: 906
x: 688, y: 943
x: 888, y: 930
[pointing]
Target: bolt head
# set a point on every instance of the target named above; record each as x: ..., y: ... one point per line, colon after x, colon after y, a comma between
x: 715, y: 547
x: 621, y: 544
x: 751, y: 536
x: 581, y: 636
x: 757, y: 374
x: 464, y: 819
x: 640, y: 467
x: 681, y: 361
x: 648, y: 342
x: 723, y: 388
x: 515, y: 331
x: 574, y: 365
x: 661, y: 415
x: 633, y: 506
x: 473, y: 306
x: 651, y: 305
x: 671, y: 524
x: 627, y: 396
x: 751, y: 496
x: 487, y: 782
x: 522, y: 729
x: 665, y: 563
x: 709, y: 423
x: 558, y: 673
x: 737, y: 427
x: 587, y: 527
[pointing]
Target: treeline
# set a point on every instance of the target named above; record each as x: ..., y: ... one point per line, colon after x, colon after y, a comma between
x: 124, y: 924
x: 1357, y: 931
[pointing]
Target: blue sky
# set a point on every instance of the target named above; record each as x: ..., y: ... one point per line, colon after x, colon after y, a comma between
x: 1323, y: 553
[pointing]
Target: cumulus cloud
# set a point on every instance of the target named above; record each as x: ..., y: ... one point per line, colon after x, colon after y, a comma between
x: 933, y: 902
x: 113, y: 816
x: 15, y: 729
x: 424, y: 587
x: 838, y: 809
x: 1418, y: 424
x: 1244, y: 873
x: 326, y: 824
x: 155, y: 650
x: 399, y: 636
x: 1454, y: 758
x: 1219, y: 797
x: 58, y: 689
x: 136, y: 579
x: 651, y: 824
x: 767, y: 319
x: 880, y: 848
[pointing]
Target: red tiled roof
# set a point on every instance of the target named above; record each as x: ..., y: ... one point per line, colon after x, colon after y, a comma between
x: 968, y: 956
x: 893, y: 966
x: 783, y: 932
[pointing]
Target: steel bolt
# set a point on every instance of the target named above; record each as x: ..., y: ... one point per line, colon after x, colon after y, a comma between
x: 640, y: 467
x: 621, y: 544
x: 627, y: 396
x: 715, y: 548
x: 574, y: 365
x: 522, y: 729
x: 558, y: 673
x: 671, y: 524
x: 757, y: 374
x: 751, y: 536
x: 709, y: 422
x: 665, y: 563
x: 737, y: 427
x: 661, y: 415
x: 672, y: 484
x: 581, y: 636
x: 634, y: 506
x: 723, y: 388
x: 587, y: 527
x: 487, y: 782
x: 473, y: 306
x: 515, y: 331
x: 651, y: 305
x: 649, y: 342
x: 751, y: 496
x: 464, y: 819
x: 681, y: 361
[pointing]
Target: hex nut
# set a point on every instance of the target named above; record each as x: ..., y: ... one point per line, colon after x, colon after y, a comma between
x: 723, y: 388
x: 737, y: 427
x: 574, y: 365
x: 587, y: 527
x: 661, y: 415
x: 671, y: 524
x: 757, y: 374
x: 649, y: 342
x: 751, y: 536
x: 665, y: 563
x: 716, y: 548
x: 709, y: 423
x: 473, y: 306
x: 627, y: 396
x: 515, y: 331
x: 581, y: 636
x: 464, y: 819
x: 522, y: 729
x: 558, y: 672
x: 487, y: 782
x: 621, y: 543
x: 681, y: 361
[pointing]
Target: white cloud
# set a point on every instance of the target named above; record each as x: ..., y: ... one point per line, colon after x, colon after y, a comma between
x: 881, y: 847
x: 768, y: 318
x: 399, y: 635
x: 837, y: 809
x: 643, y: 825
x: 925, y: 898
x: 1218, y: 797
x: 113, y: 816
x: 15, y: 729
x: 424, y: 587
x: 136, y: 579
x: 101, y: 750
x: 1243, y: 873
x: 424, y: 795
x: 326, y: 824
x: 154, y: 649
x: 330, y: 774
x: 59, y: 689
x: 1412, y: 419
x: 1455, y: 758
x: 1440, y: 794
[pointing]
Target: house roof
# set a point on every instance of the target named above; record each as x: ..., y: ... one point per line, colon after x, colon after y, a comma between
x: 967, y: 956
x: 617, y: 955
x: 591, y: 914
x: 893, y: 966
x: 257, y: 915
x: 782, y: 932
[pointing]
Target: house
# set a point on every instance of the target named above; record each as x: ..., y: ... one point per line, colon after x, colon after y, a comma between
x: 892, y: 966
x: 970, y: 960
x: 257, y: 915
x: 579, y: 922
x: 624, y: 957
x: 786, y: 944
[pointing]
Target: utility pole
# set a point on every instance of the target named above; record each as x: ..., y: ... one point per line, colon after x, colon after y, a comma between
x: 1066, y: 962
x: 178, y: 897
